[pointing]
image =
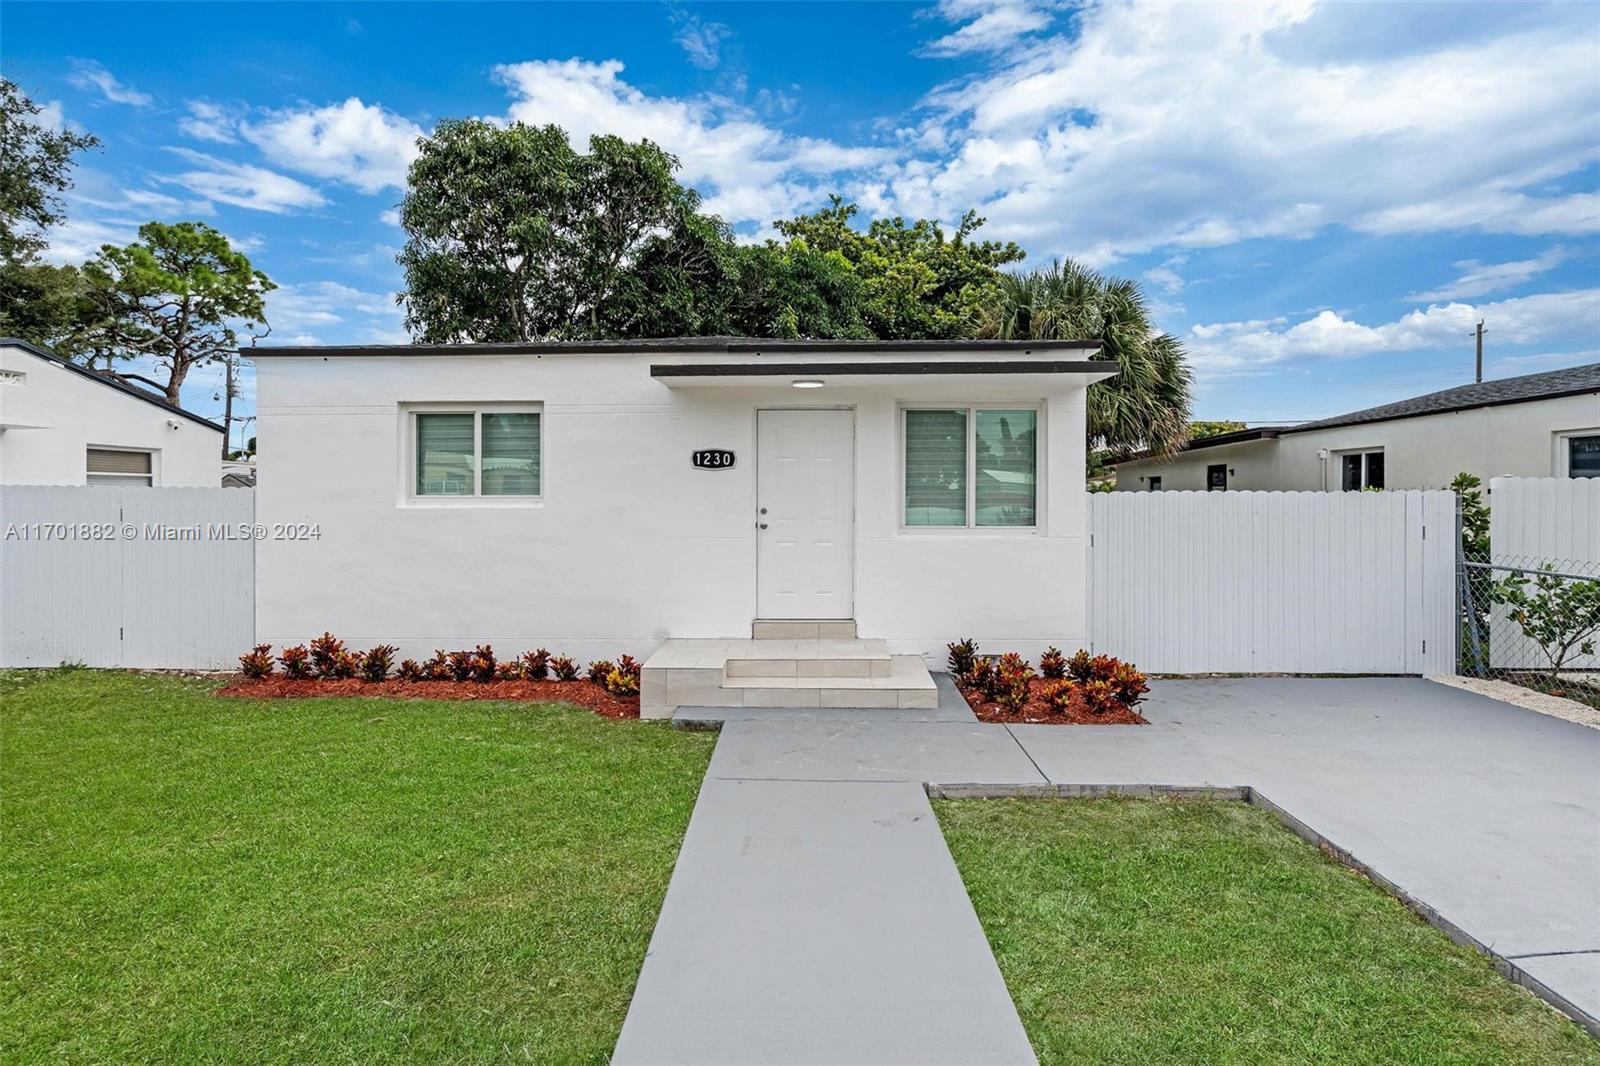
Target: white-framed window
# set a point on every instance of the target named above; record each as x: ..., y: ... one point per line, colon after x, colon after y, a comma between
x: 488, y: 451
x: 119, y: 466
x: 1361, y: 470
x: 1578, y: 453
x: 970, y: 467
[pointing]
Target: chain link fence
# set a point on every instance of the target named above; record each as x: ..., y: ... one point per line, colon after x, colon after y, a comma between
x: 1532, y: 622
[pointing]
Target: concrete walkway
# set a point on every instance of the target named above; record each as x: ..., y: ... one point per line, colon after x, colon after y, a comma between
x: 815, y: 914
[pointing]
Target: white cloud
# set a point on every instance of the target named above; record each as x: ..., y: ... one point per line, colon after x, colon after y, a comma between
x: 1196, y: 125
x: 356, y: 143
x: 1167, y: 276
x: 390, y: 217
x: 701, y: 41
x: 208, y: 122
x: 747, y: 171
x: 77, y: 240
x: 1481, y: 279
x: 1544, y: 318
x: 300, y: 311
x: 243, y: 185
x: 92, y: 77
x: 51, y: 116
x: 995, y: 25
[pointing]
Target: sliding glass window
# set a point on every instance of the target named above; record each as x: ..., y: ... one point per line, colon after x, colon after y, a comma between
x: 971, y: 467
x: 477, y: 453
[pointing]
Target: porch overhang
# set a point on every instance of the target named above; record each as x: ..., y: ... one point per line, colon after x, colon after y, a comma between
x: 745, y: 373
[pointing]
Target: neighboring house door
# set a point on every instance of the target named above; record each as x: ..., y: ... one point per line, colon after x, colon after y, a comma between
x: 805, y: 503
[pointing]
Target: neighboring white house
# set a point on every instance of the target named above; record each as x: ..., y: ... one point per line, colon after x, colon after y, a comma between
x: 61, y: 424
x: 1538, y: 425
x: 601, y: 497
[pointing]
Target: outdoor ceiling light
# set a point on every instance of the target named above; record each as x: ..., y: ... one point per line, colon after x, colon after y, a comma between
x: 806, y: 383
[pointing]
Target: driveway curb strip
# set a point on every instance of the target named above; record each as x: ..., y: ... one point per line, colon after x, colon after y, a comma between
x: 1248, y: 794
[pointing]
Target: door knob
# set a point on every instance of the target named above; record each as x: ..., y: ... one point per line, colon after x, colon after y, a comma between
x: 761, y: 525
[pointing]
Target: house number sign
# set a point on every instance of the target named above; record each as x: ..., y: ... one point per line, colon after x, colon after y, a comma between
x: 712, y: 459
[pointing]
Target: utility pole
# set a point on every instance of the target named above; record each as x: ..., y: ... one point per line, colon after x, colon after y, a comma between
x: 1479, y: 334
x: 230, y: 389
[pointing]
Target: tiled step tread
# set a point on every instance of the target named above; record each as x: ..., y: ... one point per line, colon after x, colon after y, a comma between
x: 708, y: 654
x: 803, y: 628
x: 892, y: 683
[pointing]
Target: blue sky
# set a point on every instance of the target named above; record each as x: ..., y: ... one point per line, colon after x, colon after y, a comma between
x: 1319, y: 199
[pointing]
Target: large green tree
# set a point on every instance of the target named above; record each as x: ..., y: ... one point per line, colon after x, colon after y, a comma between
x: 35, y: 169
x: 1146, y: 406
x: 918, y: 282
x: 38, y: 302
x: 178, y: 296
x: 514, y: 236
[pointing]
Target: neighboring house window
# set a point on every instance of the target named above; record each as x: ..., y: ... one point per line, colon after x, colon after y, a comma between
x: 1580, y: 454
x: 487, y: 452
x: 115, y: 466
x: 1155, y: 484
x: 1217, y: 477
x: 1361, y: 470
x: 971, y: 467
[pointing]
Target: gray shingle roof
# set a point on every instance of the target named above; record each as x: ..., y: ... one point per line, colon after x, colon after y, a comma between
x: 1573, y: 381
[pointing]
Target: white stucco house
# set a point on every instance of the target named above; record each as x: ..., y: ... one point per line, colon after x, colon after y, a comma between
x: 61, y: 424
x: 1537, y: 425
x: 607, y: 497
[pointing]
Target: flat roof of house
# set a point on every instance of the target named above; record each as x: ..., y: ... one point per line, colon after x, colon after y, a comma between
x: 1238, y: 436
x: 681, y: 345
x: 112, y: 383
x: 1550, y: 385
x: 884, y: 368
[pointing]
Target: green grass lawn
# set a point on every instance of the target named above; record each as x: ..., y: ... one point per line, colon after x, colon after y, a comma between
x: 185, y: 878
x: 1163, y: 932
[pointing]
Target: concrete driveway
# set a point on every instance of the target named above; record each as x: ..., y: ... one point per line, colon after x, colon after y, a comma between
x: 815, y: 914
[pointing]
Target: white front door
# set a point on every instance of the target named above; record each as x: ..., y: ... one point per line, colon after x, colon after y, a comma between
x: 805, y: 513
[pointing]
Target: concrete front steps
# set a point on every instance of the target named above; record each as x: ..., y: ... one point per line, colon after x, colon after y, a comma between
x: 770, y: 671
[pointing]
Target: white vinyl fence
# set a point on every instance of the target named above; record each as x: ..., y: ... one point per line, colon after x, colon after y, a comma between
x: 110, y: 576
x: 1536, y: 522
x: 1550, y: 519
x: 1275, y: 582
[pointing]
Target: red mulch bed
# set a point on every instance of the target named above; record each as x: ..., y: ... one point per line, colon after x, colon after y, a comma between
x: 584, y: 693
x: 1043, y: 711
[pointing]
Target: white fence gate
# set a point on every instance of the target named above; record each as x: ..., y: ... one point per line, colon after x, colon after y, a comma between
x: 112, y: 576
x: 1275, y: 582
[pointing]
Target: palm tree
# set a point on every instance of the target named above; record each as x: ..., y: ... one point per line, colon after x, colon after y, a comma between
x: 1146, y: 406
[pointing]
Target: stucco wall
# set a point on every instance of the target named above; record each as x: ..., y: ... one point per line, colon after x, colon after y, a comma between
x: 1254, y: 465
x: 56, y: 415
x: 630, y: 544
x: 1513, y: 440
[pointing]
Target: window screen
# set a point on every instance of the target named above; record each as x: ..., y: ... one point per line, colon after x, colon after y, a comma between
x: 936, y: 468
x: 445, y: 454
